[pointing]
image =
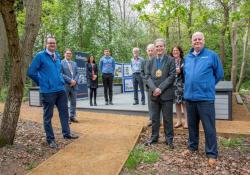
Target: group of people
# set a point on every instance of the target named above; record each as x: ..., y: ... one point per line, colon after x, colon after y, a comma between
x: 167, y: 79
x: 190, y: 84
x: 58, y: 82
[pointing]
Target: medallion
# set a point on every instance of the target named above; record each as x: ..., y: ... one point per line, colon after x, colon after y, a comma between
x: 158, y: 73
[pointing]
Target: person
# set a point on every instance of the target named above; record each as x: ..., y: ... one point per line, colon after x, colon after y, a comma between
x: 177, y: 53
x: 202, y: 71
x: 161, y: 76
x: 151, y: 53
x: 45, y: 71
x: 107, y: 68
x: 136, y: 67
x: 70, y: 76
x: 92, y: 78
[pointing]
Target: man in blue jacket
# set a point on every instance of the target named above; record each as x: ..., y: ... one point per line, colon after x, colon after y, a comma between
x: 45, y: 71
x: 107, y: 67
x: 202, y: 71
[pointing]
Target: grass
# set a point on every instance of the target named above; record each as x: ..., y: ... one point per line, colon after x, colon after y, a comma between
x: 140, y: 155
x: 231, y: 142
x: 30, y: 166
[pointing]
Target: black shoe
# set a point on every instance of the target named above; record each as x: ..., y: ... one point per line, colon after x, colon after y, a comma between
x: 53, y: 144
x: 106, y: 103
x: 149, y: 123
x: 111, y: 103
x: 170, y: 145
x: 73, y: 120
x: 135, y: 103
x: 143, y: 103
x: 91, y: 104
x: 71, y: 136
x: 95, y: 104
x: 150, y: 142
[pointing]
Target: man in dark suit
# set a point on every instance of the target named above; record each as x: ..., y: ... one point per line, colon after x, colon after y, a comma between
x: 70, y: 76
x: 160, y: 79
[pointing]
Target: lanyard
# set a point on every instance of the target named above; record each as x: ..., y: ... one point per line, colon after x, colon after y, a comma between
x: 159, y: 61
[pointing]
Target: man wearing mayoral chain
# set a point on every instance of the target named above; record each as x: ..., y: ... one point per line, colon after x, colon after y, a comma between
x: 160, y: 79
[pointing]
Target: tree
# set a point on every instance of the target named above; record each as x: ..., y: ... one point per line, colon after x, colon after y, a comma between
x: 245, y: 16
x: 234, y: 47
x: 3, y: 50
x: 19, y: 50
x: 224, y: 28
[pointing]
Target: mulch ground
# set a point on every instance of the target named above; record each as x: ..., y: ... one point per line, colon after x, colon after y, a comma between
x: 29, y: 148
x: 234, y: 160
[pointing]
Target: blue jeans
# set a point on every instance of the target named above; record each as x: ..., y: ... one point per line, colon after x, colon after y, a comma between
x: 204, y: 111
x: 71, y: 94
x: 60, y: 100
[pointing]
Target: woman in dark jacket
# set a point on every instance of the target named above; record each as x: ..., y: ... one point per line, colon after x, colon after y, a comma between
x: 177, y: 53
x: 92, y: 78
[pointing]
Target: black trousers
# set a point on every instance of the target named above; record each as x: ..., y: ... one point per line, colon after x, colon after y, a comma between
x: 91, y: 93
x: 166, y: 107
x: 107, y: 80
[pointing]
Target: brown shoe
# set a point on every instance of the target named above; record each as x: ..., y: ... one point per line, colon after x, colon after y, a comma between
x: 212, y: 162
x: 186, y: 153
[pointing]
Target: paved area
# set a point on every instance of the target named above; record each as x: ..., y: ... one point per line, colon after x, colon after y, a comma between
x: 106, y: 139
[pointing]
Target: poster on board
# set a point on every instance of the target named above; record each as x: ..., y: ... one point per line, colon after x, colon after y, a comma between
x: 81, y: 60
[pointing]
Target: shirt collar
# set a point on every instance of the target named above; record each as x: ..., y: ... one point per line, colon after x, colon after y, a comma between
x: 50, y: 53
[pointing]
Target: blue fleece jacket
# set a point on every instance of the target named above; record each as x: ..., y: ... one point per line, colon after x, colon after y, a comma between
x: 46, y: 72
x: 202, y: 72
x: 107, y: 64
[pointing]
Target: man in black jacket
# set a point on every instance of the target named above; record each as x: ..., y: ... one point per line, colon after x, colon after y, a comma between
x: 160, y: 79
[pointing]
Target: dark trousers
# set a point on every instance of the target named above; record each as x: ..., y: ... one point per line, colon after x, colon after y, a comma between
x: 71, y: 94
x: 108, y: 86
x: 166, y: 107
x: 60, y: 100
x: 204, y: 111
x: 137, y: 80
x: 149, y: 107
x: 91, y: 93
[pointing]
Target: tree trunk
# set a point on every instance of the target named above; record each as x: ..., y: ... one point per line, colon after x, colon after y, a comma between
x: 234, y: 48
x: 80, y: 25
x: 3, y: 50
x: 244, y: 59
x: 224, y: 29
x: 190, y: 15
x: 15, y: 92
x: 109, y: 21
x: 32, y: 25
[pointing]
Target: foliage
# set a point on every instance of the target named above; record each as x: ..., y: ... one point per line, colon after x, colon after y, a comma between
x: 231, y: 142
x: 140, y: 155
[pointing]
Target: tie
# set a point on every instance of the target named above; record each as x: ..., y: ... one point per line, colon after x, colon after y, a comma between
x: 53, y: 57
x: 70, y: 68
